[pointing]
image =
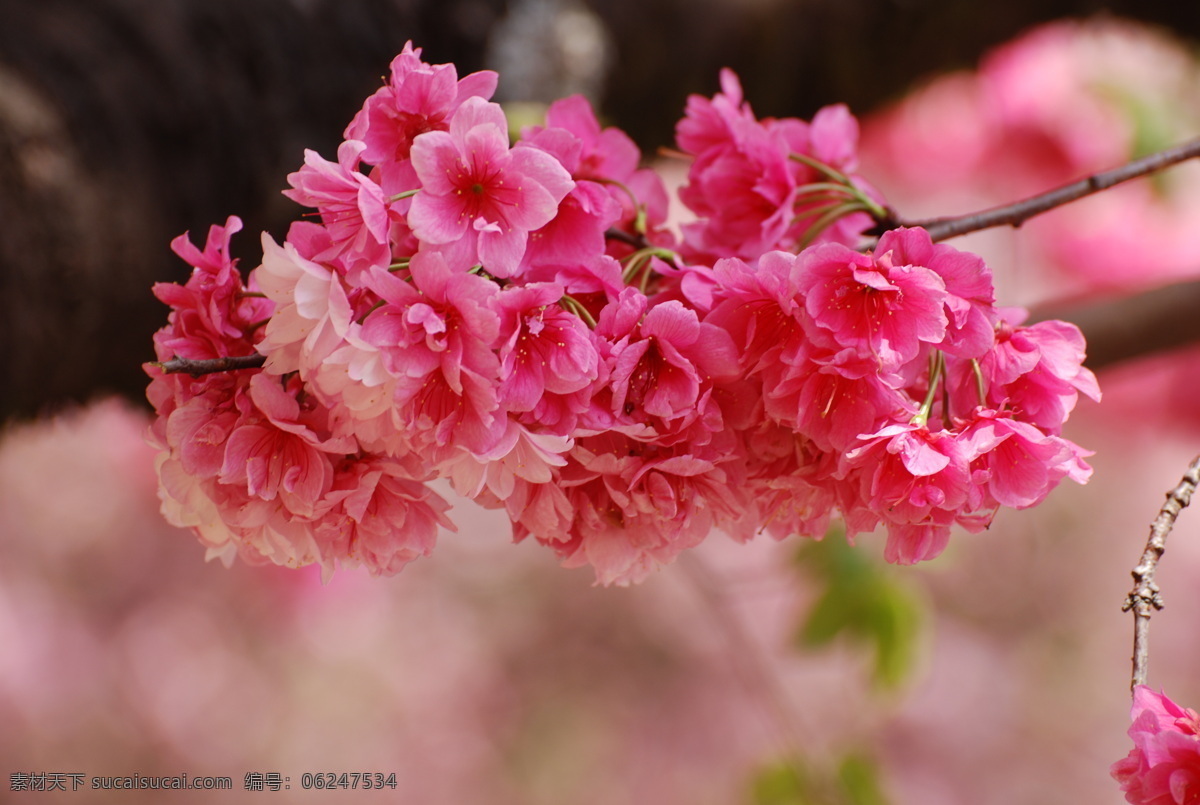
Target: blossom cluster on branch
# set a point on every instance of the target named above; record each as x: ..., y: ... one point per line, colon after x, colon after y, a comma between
x: 519, y: 319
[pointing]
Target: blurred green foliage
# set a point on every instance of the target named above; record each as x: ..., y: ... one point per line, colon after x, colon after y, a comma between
x: 862, y: 601
x: 855, y: 781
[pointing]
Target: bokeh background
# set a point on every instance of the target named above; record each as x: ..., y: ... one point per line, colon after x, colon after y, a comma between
x: 486, y: 674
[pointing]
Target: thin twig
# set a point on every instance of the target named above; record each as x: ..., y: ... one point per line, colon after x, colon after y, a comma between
x: 637, y: 241
x: 1144, y: 597
x: 195, y: 368
x: 1019, y: 212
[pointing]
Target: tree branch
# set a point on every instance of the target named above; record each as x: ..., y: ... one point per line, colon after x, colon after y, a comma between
x: 1132, y: 326
x: 1144, y: 597
x: 1019, y: 212
x: 195, y: 368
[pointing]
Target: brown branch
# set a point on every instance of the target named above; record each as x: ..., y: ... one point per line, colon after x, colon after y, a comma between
x: 1019, y: 212
x: 1132, y: 326
x: 636, y: 241
x: 195, y: 368
x: 1144, y: 597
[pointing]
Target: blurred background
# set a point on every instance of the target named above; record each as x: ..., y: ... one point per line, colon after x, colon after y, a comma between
x: 996, y: 674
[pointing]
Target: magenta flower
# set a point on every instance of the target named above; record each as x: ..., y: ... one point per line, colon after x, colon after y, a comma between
x: 747, y: 181
x: 275, y: 451
x: 871, y: 304
x: 915, y: 480
x: 210, y: 315
x: 437, y: 337
x: 545, y: 349
x: 477, y: 191
x: 1163, y: 768
x: 970, y: 296
x: 1022, y: 463
x: 632, y: 507
x: 711, y: 124
x: 418, y: 98
x: 663, y: 363
x: 1038, y: 371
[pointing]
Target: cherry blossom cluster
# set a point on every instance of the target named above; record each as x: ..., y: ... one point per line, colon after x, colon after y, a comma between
x: 1163, y: 768
x: 518, y: 319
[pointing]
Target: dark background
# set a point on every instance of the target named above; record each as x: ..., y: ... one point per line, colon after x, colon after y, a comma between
x: 126, y: 122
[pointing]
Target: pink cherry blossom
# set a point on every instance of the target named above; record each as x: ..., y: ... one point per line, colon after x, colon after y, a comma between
x: 353, y: 207
x: 211, y: 316
x: 418, y: 97
x: 915, y: 480
x: 380, y: 516
x: 747, y: 176
x: 970, y: 296
x: 475, y: 190
x: 661, y: 370
x: 1038, y: 370
x: 744, y: 193
x: 872, y: 304
x: 577, y: 232
x: 545, y: 349
x: 312, y: 313
x: 437, y: 337
x: 519, y: 322
x: 635, y: 507
x: 1163, y: 768
x: 709, y: 124
x: 274, y: 450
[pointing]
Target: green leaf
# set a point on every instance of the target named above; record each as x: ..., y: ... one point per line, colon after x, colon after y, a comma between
x: 859, y: 780
x: 855, y: 781
x: 861, y: 601
x: 780, y: 784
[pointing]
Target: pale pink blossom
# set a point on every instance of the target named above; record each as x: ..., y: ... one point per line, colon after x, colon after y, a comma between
x: 523, y: 457
x: 312, y: 311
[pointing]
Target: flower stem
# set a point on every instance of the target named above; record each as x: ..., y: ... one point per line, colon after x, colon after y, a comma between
x: 937, y: 365
x: 568, y: 302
